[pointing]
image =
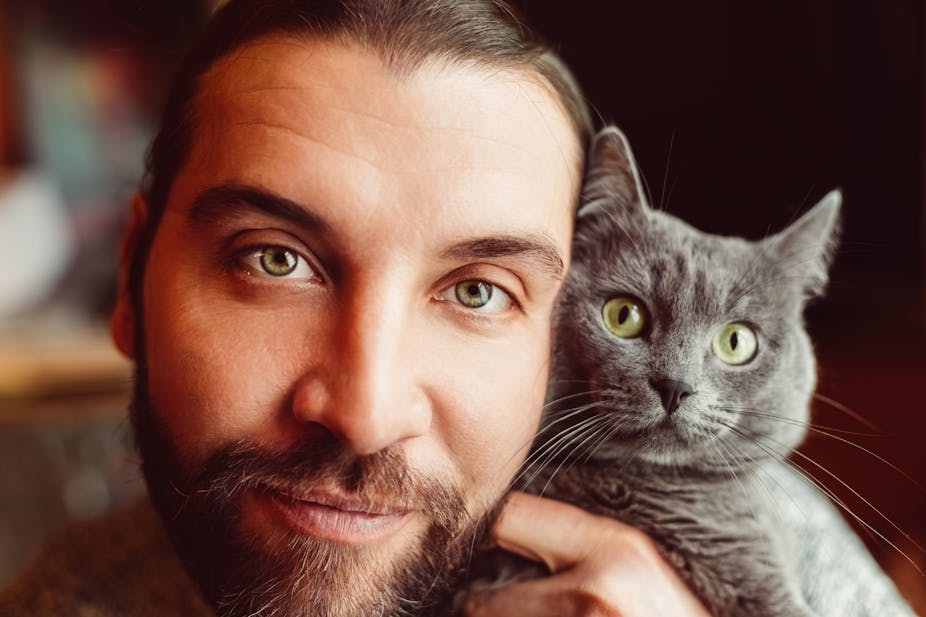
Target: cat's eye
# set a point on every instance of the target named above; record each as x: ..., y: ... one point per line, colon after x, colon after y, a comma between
x: 624, y: 317
x: 735, y: 344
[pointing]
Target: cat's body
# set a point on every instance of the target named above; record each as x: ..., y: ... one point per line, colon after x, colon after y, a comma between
x: 722, y: 535
x: 681, y: 373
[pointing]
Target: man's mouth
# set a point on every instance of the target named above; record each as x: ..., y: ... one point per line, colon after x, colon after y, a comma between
x: 334, y: 517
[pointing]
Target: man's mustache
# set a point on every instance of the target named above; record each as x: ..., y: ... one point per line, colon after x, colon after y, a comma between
x: 383, y: 480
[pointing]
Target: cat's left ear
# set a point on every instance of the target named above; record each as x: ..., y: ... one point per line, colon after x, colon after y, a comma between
x: 806, y: 248
x: 612, y: 180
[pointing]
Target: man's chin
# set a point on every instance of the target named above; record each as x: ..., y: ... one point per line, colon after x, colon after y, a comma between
x: 251, y: 556
x: 314, y: 531
x: 268, y: 567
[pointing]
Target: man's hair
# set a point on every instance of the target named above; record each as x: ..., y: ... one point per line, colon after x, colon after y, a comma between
x: 404, y: 33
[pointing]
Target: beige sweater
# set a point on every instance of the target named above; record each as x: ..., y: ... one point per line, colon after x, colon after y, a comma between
x: 119, y: 566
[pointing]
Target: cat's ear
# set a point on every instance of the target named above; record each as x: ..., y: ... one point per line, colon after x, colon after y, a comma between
x: 612, y: 181
x: 806, y: 248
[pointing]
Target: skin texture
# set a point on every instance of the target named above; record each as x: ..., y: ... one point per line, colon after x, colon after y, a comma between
x: 406, y: 185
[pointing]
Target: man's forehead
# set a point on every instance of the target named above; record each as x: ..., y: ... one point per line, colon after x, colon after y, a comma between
x: 311, y: 84
x: 416, y: 160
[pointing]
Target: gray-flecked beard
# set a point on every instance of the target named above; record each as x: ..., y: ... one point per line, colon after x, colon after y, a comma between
x: 287, y: 574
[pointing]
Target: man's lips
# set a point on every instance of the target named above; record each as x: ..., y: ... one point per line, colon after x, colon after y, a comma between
x: 334, y: 517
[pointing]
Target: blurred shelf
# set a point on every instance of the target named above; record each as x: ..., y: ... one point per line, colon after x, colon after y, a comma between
x: 79, y: 371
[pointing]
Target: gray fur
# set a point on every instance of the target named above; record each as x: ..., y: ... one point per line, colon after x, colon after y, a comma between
x: 692, y: 479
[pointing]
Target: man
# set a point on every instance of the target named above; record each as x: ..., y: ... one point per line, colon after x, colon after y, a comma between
x: 338, y: 287
x: 337, y: 291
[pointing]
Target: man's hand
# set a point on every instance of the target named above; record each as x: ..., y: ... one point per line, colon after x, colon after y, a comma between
x: 599, y: 567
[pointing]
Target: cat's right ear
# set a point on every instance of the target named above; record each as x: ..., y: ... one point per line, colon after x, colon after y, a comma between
x: 612, y: 180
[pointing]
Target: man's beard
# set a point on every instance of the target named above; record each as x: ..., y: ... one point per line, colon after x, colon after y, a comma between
x: 288, y: 574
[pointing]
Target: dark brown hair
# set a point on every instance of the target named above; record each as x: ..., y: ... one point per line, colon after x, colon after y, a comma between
x: 404, y: 33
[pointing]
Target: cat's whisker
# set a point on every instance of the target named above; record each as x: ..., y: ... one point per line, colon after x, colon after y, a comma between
x: 619, y: 224
x: 566, y: 398
x: 553, y: 438
x: 603, y: 439
x: 647, y: 195
x: 605, y: 436
x: 555, y: 417
x: 589, y: 434
x: 807, y: 477
x: 544, y: 452
x: 903, y: 473
x: 557, y: 437
x: 779, y: 273
x: 859, y: 496
x: 752, y: 510
x: 847, y: 411
x: 745, y: 460
x: 565, y: 413
x: 850, y: 488
x: 748, y: 411
x: 560, y: 380
x: 763, y: 283
x: 829, y: 493
x: 665, y: 176
x: 831, y: 433
x: 554, y: 452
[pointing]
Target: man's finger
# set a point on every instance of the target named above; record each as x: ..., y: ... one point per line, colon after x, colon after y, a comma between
x: 551, y: 532
x: 516, y: 600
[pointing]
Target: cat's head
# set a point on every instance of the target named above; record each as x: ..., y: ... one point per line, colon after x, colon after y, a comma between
x: 689, y: 348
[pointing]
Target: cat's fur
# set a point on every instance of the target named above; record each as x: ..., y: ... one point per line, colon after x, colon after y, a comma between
x: 692, y: 479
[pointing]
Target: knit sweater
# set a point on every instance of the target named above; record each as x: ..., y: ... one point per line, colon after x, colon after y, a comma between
x: 124, y: 566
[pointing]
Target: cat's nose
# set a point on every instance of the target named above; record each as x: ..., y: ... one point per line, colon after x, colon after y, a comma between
x: 672, y: 392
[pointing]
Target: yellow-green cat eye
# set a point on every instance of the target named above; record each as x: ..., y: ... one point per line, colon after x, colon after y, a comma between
x: 735, y: 344
x: 624, y: 317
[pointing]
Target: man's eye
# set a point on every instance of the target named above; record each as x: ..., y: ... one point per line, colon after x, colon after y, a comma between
x: 479, y: 296
x: 279, y: 262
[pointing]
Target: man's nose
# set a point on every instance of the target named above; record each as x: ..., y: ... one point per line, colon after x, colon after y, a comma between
x: 364, y: 388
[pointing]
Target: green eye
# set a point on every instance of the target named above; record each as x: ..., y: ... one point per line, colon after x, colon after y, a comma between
x: 473, y: 294
x: 624, y: 317
x: 277, y: 261
x: 735, y: 344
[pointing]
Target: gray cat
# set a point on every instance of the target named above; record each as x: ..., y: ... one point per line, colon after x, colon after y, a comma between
x: 681, y: 373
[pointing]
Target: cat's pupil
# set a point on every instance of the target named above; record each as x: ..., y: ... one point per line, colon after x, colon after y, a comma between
x: 734, y: 341
x: 622, y: 315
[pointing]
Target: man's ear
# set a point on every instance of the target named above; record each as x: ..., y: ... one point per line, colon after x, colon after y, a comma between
x: 122, y: 322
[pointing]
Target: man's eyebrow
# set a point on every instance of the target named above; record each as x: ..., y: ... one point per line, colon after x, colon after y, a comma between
x: 535, y: 247
x: 228, y: 200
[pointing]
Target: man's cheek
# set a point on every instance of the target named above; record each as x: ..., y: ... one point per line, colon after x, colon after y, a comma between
x: 214, y: 377
x: 495, y: 406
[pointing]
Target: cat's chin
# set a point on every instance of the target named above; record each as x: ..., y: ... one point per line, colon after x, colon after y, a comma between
x: 668, y: 443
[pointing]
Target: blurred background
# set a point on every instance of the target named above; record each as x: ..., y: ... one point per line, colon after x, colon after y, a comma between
x: 742, y: 116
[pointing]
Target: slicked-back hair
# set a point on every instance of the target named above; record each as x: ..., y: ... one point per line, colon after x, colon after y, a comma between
x: 403, y: 33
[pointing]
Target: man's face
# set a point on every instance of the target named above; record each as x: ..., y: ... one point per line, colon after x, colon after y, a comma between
x: 346, y: 327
